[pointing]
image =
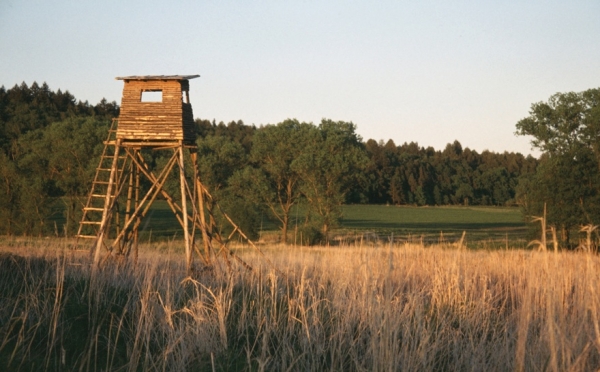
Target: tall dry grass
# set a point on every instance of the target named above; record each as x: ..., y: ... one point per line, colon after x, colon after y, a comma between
x: 347, y: 308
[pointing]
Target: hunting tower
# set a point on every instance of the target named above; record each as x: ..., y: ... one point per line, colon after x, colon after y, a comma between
x: 155, y: 115
x: 156, y: 108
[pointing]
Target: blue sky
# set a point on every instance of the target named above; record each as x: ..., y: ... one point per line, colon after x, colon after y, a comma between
x: 425, y: 71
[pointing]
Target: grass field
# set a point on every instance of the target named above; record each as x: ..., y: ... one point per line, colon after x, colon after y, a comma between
x: 484, y: 225
x: 481, y: 223
x: 388, y: 307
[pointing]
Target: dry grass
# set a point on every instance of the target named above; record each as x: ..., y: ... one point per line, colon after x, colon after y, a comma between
x: 347, y: 308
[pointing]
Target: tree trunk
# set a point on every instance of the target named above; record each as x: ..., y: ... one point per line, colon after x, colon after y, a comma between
x: 284, y: 228
x: 325, y: 230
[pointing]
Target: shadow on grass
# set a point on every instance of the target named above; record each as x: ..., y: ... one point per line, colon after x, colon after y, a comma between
x: 430, y: 226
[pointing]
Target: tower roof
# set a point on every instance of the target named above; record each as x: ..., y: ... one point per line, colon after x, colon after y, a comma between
x: 157, y: 77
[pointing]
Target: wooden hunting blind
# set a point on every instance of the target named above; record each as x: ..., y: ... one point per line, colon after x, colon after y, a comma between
x: 118, y: 201
x: 165, y: 115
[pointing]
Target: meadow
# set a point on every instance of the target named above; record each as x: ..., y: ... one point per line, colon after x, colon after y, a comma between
x: 485, y: 227
x: 352, y: 307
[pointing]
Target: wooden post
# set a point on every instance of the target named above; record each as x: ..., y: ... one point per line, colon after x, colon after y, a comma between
x: 125, y: 247
x: 186, y: 233
x: 150, y: 196
x: 136, y: 204
x: 200, y: 193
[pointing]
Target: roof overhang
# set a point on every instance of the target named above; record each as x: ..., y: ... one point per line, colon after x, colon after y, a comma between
x: 157, y: 77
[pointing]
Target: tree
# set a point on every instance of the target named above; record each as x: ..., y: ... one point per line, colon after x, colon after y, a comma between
x: 47, y: 142
x: 381, y: 175
x: 58, y: 163
x: 566, y: 129
x: 492, y: 186
x: 9, y: 195
x: 333, y: 160
x: 397, y: 187
x: 566, y: 122
x: 219, y: 157
x: 271, y: 180
x: 567, y: 187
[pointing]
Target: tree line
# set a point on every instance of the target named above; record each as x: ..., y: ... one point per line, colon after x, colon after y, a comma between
x: 50, y: 145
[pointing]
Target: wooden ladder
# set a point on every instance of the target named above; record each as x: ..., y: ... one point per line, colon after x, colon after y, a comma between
x: 94, y: 207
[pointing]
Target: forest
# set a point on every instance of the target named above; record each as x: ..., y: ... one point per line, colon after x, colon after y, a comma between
x: 50, y: 144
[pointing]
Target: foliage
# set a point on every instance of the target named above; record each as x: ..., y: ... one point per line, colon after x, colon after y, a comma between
x: 236, y: 131
x: 218, y: 159
x: 330, y: 165
x: 271, y: 179
x: 23, y: 109
x: 48, y: 146
x: 566, y: 122
x: 566, y: 129
x: 50, y: 143
x: 409, y: 174
x: 310, y: 234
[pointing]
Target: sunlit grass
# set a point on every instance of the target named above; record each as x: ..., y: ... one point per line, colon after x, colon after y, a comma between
x: 350, y: 307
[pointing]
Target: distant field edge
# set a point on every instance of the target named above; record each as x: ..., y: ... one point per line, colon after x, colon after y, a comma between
x: 479, y: 222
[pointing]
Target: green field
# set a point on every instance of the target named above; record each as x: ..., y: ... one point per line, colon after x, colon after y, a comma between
x: 439, y: 218
x: 481, y: 224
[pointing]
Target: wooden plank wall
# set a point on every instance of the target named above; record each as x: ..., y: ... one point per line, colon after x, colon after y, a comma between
x: 170, y: 119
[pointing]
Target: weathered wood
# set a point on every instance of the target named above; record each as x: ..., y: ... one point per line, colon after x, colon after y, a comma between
x: 186, y: 232
x: 171, y: 119
x: 108, y: 204
x: 165, y: 125
x: 157, y: 77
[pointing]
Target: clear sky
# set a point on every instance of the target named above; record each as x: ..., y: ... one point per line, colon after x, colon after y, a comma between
x: 428, y: 71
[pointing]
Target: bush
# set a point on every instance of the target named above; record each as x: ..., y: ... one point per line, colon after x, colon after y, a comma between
x: 311, y: 235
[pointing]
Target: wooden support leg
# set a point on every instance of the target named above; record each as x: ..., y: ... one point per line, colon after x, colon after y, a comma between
x: 136, y: 205
x: 200, y: 192
x: 147, y: 200
x: 186, y: 233
x: 126, y: 246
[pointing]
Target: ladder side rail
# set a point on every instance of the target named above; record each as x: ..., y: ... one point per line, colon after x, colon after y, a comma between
x: 108, y: 201
x: 95, y: 183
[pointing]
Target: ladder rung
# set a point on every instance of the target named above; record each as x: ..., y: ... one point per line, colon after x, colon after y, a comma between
x: 109, y: 155
x: 86, y: 236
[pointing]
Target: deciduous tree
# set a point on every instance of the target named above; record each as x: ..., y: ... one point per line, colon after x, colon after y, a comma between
x: 333, y: 160
x: 566, y: 129
x: 271, y: 180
